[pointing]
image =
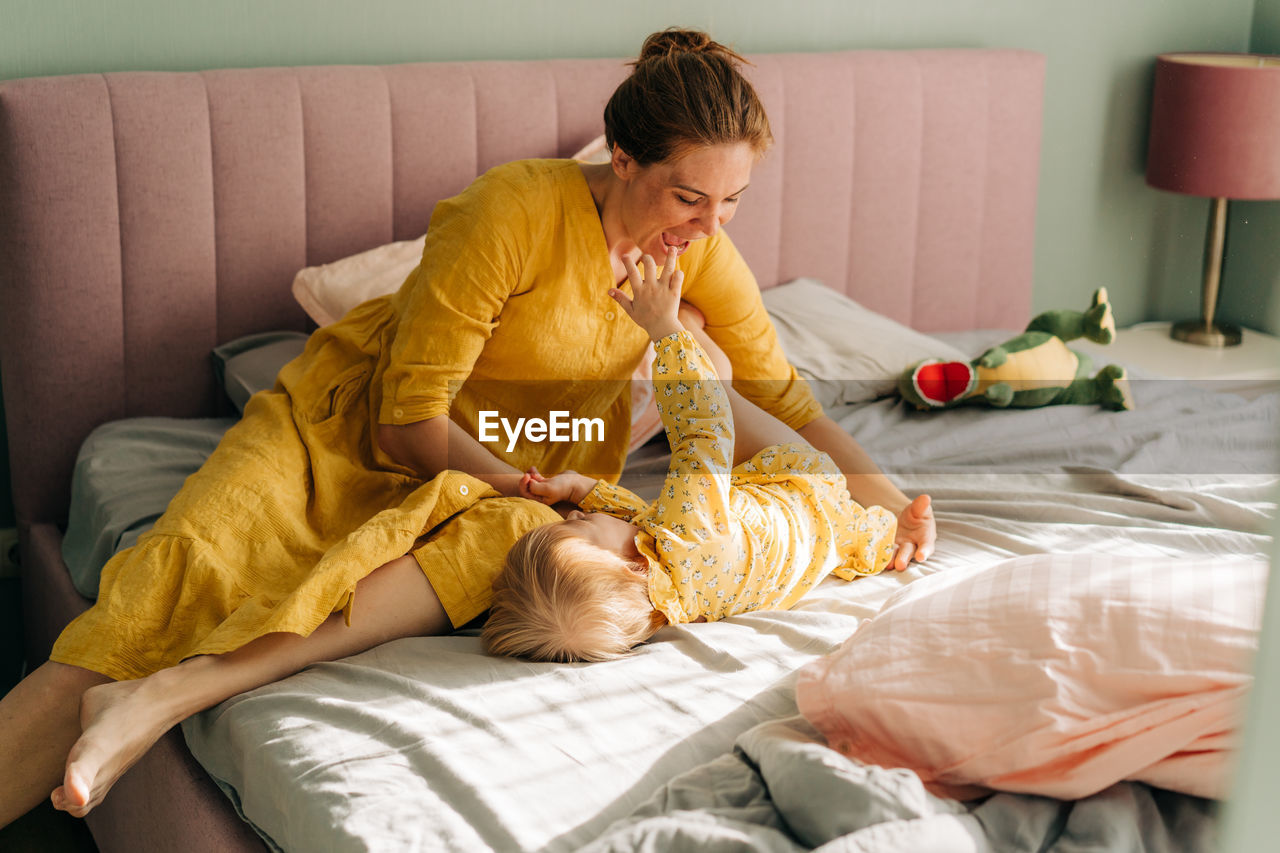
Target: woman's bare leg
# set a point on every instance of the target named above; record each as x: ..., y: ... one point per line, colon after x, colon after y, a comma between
x: 39, y: 721
x: 693, y: 321
x: 754, y: 429
x: 122, y: 720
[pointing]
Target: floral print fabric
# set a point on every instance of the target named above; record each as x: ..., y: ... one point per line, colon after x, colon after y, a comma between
x: 723, y: 540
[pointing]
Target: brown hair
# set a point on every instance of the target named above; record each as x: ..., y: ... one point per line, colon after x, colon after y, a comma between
x: 560, y: 598
x: 685, y: 92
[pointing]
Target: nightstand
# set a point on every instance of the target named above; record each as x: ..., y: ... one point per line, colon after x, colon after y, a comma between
x: 1147, y: 348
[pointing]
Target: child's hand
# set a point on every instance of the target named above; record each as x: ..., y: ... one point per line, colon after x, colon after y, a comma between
x: 565, y: 486
x: 917, y: 533
x: 656, y: 301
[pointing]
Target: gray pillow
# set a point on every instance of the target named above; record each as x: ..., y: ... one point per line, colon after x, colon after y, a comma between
x: 125, y: 476
x: 129, y: 470
x: 846, y: 352
x: 248, y: 365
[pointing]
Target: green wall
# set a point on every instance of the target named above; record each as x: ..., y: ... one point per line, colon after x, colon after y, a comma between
x: 1098, y: 223
x: 1251, y: 274
x: 1251, y: 820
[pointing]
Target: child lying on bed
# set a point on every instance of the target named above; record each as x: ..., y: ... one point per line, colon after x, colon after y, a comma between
x: 716, y: 541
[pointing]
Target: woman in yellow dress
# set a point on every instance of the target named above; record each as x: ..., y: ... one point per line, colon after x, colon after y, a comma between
x: 356, y: 502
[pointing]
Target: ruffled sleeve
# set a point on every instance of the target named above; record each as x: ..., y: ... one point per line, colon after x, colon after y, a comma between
x: 613, y: 500
x: 867, y: 539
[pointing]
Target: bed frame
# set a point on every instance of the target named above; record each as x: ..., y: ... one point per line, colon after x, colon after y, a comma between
x: 147, y: 217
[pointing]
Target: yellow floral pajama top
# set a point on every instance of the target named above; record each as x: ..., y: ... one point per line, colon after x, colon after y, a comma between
x: 759, y: 536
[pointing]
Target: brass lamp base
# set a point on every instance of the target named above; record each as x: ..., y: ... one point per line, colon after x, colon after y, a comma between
x: 1206, y: 334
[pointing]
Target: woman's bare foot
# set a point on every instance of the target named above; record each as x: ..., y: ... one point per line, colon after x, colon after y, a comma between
x: 120, y: 721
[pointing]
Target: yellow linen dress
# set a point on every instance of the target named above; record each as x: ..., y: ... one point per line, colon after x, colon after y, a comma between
x: 757, y: 537
x: 508, y: 311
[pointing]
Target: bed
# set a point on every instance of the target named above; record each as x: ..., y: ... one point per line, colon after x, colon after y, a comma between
x: 150, y: 218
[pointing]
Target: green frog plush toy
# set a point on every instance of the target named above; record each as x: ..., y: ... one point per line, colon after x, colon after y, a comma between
x: 1034, y: 369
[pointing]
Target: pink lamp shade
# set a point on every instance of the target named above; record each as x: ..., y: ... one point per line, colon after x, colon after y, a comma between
x: 1215, y: 125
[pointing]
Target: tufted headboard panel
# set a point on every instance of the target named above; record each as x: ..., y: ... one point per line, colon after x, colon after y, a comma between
x: 147, y: 217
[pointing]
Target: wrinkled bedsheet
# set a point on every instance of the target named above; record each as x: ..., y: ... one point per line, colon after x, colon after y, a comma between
x: 427, y: 744
x: 782, y: 790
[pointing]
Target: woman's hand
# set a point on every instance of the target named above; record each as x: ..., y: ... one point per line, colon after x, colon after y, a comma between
x: 566, y: 486
x: 656, y: 301
x: 917, y: 533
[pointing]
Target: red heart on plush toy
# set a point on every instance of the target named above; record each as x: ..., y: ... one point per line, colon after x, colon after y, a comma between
x: 943, y: 381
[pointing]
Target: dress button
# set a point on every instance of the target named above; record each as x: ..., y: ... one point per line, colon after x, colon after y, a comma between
x: 608, y: 315
x: 399, y: 413
x: 463, y: 489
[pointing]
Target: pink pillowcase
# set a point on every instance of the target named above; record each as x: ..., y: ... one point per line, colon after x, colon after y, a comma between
x: 1056, y: 675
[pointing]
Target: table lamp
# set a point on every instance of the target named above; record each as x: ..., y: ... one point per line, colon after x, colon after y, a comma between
x: 1215, y: 132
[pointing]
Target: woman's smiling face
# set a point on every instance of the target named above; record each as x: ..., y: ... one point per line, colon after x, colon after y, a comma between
x: 688, y: 198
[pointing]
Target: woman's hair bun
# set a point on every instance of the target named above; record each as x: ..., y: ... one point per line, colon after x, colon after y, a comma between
x: 673, y: 41
x: 685, y: 91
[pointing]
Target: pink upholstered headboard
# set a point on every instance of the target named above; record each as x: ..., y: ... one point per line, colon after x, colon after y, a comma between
x: 146, y: 217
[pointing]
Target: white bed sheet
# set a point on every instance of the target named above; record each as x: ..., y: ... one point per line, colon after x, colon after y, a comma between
x: 427, y: 744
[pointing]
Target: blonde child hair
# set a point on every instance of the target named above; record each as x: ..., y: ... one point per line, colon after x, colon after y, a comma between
x: 561, y: 598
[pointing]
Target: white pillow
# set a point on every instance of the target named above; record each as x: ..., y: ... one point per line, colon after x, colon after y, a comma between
x: 1051, y: 674
x: 595, y: 151
x: 848, y: 353
x: 329, y: 291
